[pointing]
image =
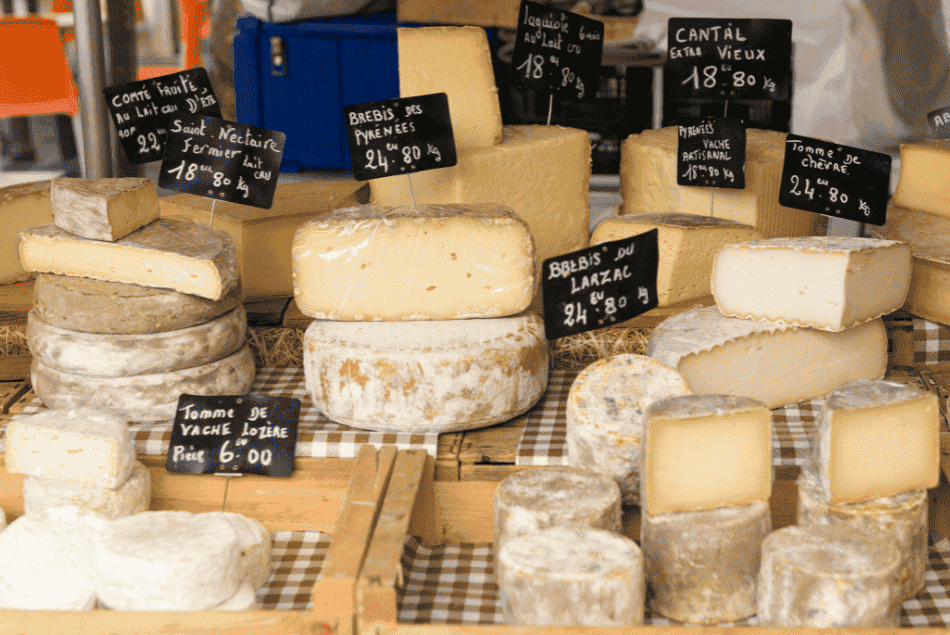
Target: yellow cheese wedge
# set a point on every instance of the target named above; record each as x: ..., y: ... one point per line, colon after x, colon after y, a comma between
x: 922, y: 184
x: 103, y: 209
x: 21, y: 206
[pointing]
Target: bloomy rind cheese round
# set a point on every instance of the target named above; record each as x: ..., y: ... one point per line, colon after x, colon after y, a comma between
x: 131, y: 497
x: 255, y: 542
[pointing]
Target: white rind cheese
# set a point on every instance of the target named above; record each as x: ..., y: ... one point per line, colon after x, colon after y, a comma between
x: 3, y: 520
x: 606, y: 410
x: 21, y: 206
x: 103, y: 209
x: 436, y: 376
x: 702, y: 566
x: 131, y: 497
x: 771, y: 362
x: 255, y: 542
x: 922, y: 182
x: 244, y: 600
x: 824, y: 576
x: 571, y: 577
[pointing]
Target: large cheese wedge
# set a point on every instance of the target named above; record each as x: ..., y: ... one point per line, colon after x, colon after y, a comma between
x: 923, y: 174
x: 21, y: 206
x: 455, y: 61
x: 103, y: 209
x: 262, y: 237
x: 170, y: 253
x: 431, y: 262
x: 437, y: 376
x: 774, y: 363
x: 824, y: 282
x: 648, y: 184
x: 687, y: 244
x: 131, y: 497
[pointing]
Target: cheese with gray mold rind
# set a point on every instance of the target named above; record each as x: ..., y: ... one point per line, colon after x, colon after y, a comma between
x: 103, y: 209
x: 255, y: 542
x: 131, y: 497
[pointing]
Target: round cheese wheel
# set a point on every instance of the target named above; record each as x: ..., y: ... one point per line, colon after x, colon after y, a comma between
x: 255, y: 543
x: 131, y: 497
x: 244, y: 600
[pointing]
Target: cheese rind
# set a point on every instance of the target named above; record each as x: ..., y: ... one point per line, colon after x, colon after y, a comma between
x: 431, y: 262
x: 131, y: 497
x: 922, y: 181
x: 21, y: 206
x: 255, y: 543
x: 244, y: 600
x: 103, y: 209
x: 828, y: 283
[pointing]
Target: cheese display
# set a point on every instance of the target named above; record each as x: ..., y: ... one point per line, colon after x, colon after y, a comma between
x: 435, y: 376
x: 571, y: 577
x: 555, y: 496
x: 98, y: 355
x: 606, y: 409
x: 168, y: 253
x: 79, y: 445
x: 458, y: 62
x: 771, y: 362
x: 431, y: 262
x: 687, y: 243
x: 21, y: 206
x: 825, y: 576
x: 131, y: 497
x: 876, y: 439
x: 103, y: 209
x: 702, y: 566
x: 263, y: 237
x: 922, y: 182
x: 705, y: 451
x: 828, y: 283
x: 648, y: 184
x: 900, y: 519
x: 148, y: 397
x: 255, y: 543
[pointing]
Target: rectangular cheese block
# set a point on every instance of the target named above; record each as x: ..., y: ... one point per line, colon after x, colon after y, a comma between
x: 877, y: 439
x: 21, y: 206
x: 79, y: 445
x: 455, y: 61
x: 687, y: 243
x: 103, y: 209
x: 705, y: 452
x: 263, y: 237
x: 824, y: 282
x: 648, y: 184
x: 433, y: 262
x: 922, y: 184
x: 169, y: 253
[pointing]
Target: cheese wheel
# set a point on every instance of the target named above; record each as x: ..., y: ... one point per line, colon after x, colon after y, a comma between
x: 131, y: 497
x: 255, y: 542
x: 244, y: 600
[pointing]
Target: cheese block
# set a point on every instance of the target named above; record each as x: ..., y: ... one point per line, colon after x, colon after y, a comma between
x: 79, y: 445
x: 705, y: 451
x: 825, y: 576
x: 170, y: 253
x: 148, y: 397
x: 439, y: 376
x: 168, y: 561
x: 21, y: 206
x: 687, y: 242
x: 263, y: 237
x: 570, y: 577
x: 606, y: 410
x: 131, y: 497
x: 244, y: 600
x: 828, y: 282
x: 702, y: 566
x: 255, y: 543
x: 648, y: 184
x: 922, y: 181
x: 95, y: 306
x: 458, y: 62
x: 431, y: 262
x: 771, y: 362
x: 98, y: 355
x: 103, y: 209
x: 876, y: 439
x: 900, y: 519
x: 555, y: 496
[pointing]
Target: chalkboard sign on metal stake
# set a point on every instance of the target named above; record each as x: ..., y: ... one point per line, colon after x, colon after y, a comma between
x: 711, y: 153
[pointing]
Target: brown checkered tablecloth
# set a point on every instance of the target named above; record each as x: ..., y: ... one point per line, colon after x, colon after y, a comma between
x: 931, y: 342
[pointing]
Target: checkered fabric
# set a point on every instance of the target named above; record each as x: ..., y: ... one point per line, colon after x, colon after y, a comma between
x: 931, y: 342
x: 296, y: 560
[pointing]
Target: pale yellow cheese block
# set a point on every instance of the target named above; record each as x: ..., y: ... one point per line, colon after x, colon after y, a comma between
x: 103, y: 209
x: 922, y: 184
x: 21, y: 206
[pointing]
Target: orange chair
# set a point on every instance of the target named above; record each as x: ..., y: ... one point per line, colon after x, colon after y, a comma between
x: 34, y: 73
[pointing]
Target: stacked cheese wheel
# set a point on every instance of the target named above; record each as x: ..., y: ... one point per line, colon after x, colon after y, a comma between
x: 132, y: 310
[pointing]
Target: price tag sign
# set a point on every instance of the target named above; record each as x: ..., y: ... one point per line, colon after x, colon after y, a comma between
x: 711, y: 153
x: 250, y: 434
x: 400, y: 136
x: 725, y: 59
x: 600, y: 286
x: 835, y: 180
x: 222, y: 160
x: 140, y: 110
x: 940, y: 122
x: 557, y: 52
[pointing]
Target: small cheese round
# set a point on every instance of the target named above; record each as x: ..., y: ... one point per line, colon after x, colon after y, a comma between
x: 244, y: 600
x: 131, y: 497
x: 255, y: 543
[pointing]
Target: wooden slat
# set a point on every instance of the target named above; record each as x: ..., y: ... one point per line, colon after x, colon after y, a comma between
x: 453, y: 629
x: 102, y: 622
x: 465, y: 511
x: 22, y: 401
x: 15, y: 367
x: 10, y: 391
x: 496, y: 444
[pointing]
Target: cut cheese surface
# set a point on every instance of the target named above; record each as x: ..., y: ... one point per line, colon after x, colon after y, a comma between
x: 131, y: 497
x: 687, y: 244
x: 455, y: 61
x: 103, y: 209
x: 767, y: 361
x: 21, y: 206
x: 922, y: 184
x: 431, y: 262
x: 168, y: 253
x: 828, y: 283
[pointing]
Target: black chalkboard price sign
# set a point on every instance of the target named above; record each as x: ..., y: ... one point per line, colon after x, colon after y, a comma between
x: 557, y: 52
x: 939, y: 121
x: 140, y: 109
x: 835, y: 180
x: 600, y: 286
x: 250, y: 434
x: 400, y: 136
x: 221, y: 159
x: 711, y: 153
x: 724, y: 58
